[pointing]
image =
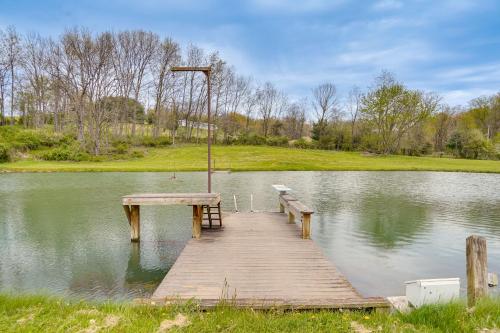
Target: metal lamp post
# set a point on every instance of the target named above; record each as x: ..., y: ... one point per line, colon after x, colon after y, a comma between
x: 206, y: 71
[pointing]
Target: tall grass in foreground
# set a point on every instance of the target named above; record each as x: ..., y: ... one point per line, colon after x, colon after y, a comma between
x: 46, y: 314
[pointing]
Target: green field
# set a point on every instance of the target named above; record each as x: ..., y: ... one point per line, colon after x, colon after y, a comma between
x: 42, y: 314
x: 257, y: 158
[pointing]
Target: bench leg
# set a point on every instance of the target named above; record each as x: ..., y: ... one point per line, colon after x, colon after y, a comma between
x: 291, y: 218
x: 135, y: 223
x: 282, y: 208
x: 306, y: 226
x: 197, y: 218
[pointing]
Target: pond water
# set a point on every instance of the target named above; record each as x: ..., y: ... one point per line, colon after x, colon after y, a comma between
x: 66, y: 234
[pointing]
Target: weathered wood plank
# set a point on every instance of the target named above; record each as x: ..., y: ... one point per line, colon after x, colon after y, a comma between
x: 171, y: 199
x: 135, y: 221
x: 197, y: 219
x: 259, y: 260
x: 477, y: 269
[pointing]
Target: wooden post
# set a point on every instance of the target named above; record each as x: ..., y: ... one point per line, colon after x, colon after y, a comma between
x: 477, y: 269
x: 197, y: 219
x: 306, y: 226
x: 135, y: 223
x: 291, y: 218
x: 282, y: 208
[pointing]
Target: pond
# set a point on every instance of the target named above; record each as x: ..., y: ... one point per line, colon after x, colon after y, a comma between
x: 66, y: 234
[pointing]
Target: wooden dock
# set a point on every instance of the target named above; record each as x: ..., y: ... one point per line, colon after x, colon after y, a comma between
x: 259, y: 260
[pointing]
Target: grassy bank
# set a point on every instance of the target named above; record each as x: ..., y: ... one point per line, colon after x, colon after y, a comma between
x: 42, y: 314
x: 255, y: 158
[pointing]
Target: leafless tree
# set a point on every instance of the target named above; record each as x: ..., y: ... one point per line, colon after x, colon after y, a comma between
x: 10, y: 42
x: 34, y: 66
x: 166, y: 55
x: 295, y: 119
x: 268, y: 105
x: 354, y: 107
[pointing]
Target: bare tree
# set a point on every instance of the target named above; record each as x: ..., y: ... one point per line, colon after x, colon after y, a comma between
x: 325, y: 105
x: 295, y: 119
x: 166, y: 55
x: 268, y: 98
x: 4, y: 68
x: 34, y: 65
x: 11, y: 43
x: 354, y: 107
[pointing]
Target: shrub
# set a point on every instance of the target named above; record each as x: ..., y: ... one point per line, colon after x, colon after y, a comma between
x: 25, y: 140
x: 250, y: 139
x: 137, y: 154
x: 65, y: 153
x: 277, y: 141
x: 4, y: 153
x: 303, y: 144
x: 470, y: 144
x: 121, y: 148
x: 149, y: 141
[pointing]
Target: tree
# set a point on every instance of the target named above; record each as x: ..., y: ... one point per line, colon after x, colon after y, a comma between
x: 295, y: 119
x: 325, y: 106
x: 268, y: 100
x: 354, y: 107
x: 443, y: 123
x: 393, y: 110
x: 34, y: 66
x: 165, y: 56
x: 10, y: 42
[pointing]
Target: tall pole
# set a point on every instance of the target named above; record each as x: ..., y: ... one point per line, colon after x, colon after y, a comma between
x: 209, y: 138
x: 206, y: 71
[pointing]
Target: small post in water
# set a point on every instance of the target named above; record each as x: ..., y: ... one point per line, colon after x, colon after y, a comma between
x: 235, y: 204
x: 477, y: 269
x: 251, y: 202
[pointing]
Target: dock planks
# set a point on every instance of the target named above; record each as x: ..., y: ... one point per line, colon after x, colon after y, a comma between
x: 259, y: 260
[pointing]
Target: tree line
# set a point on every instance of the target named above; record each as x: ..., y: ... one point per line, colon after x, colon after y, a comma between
x: 109, y: 85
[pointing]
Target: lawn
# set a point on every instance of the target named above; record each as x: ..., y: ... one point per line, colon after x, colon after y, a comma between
x: 43, y: 314
x: 257, y: 158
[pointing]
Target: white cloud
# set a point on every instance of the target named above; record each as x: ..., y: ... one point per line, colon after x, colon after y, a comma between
x: 291, y: 6
x: 383, y: 5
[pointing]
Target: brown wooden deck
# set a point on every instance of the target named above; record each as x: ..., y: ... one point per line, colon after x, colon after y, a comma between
x: 259, y: 260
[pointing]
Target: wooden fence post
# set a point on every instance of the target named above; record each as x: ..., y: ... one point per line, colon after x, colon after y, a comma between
x: 477, y: 269
x: 135, y: 223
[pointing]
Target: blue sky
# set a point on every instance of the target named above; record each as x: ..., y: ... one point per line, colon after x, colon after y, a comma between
x: 450, y: 47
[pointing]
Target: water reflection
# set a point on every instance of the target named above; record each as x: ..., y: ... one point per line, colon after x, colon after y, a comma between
x: 66, y: 234
x: 390, y: 221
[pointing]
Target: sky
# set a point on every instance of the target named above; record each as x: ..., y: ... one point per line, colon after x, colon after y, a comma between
x: 448, y: 47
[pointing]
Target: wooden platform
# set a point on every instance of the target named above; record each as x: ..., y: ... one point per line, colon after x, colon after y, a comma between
x: 259, y: 260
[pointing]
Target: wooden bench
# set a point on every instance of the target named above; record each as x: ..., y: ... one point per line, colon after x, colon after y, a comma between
x: 296, y: 208
x: 131, y: 205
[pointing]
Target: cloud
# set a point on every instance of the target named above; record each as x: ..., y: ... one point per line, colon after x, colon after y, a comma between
x: 292, y: 6
x: 383, y: 5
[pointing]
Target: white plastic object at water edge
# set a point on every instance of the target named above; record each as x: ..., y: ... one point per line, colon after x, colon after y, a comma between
x: 281, y: 188
x: 431, y: 291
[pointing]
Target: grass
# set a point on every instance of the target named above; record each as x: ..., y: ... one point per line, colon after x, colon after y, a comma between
x: 45, y: 314
x: 257, y: 158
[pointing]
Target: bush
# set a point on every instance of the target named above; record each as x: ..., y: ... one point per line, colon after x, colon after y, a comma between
x: 4, y: 153
x: 470, y: 144
x: 304, y: 144
x: 250, y: 139
x: 137, y: 154
x: 277, y: 141
x: 65, y: 154
x: 25, y: 140
x: 149, y: 141
x: 121, y: 148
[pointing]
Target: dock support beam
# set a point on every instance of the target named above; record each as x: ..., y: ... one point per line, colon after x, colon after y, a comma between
x: 197, y: 219
x: 135, y: 223
x: 477, y: 269
x: 306, y: 226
